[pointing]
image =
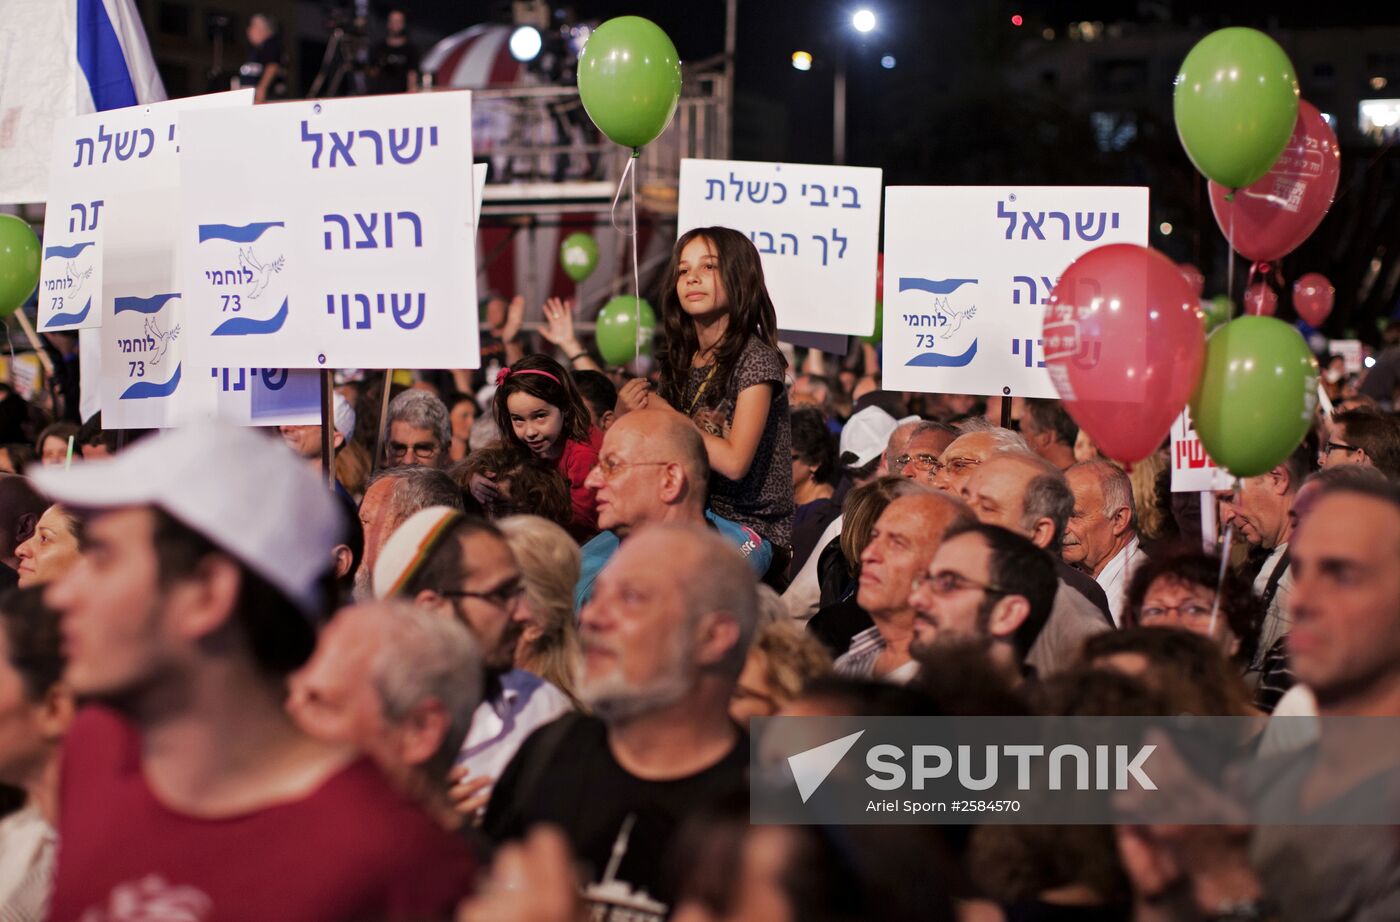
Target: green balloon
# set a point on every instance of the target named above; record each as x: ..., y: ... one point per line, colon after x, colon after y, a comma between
x: 617, y: 330
x: 1216, y: 311
x: 578, y: 254
x: 629, y: 78
x: 1236, y: 103
x: 1256, y: 396
x: 20, y: 256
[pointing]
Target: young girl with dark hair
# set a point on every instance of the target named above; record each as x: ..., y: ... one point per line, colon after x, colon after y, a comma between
x: 538, y: 409
x: 720, y: 365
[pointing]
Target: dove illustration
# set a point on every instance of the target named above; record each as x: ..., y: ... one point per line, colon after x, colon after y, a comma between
x: 163, y: 340
x: 75, y: 277
x: 958, y: 317
x: 262, y: 274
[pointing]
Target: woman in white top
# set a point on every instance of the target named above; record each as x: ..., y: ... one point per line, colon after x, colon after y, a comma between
x: 35, y: 711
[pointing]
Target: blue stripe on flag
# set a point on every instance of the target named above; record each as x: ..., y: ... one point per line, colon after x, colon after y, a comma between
x: 101, y: 58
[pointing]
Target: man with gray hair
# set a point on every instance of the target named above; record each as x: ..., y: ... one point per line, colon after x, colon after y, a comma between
x: 419, y: 431
x: 1024, y: 493
x: 391, y: 498
x: 979, y: 440
x: 1101, y: 537
x: 400, y: 684
x: 902, y: 542
x: 918, y: 459
x: 663, y: 649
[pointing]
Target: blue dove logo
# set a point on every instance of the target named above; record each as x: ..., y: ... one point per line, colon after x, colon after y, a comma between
x: 943, y: 322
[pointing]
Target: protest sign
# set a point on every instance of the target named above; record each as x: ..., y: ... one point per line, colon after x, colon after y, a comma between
x: 1192, y: 469
x: 132, y: 196
x: 968, y: 270
x: 332, y: 234
x: 817, y: 229
x: 112, y: 191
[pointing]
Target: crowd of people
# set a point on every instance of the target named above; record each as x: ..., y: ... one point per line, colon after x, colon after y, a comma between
x: 506, y: 669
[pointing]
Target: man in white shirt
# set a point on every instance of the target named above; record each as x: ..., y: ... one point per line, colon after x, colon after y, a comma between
x: 461, y: 567
x: 1101, y: 536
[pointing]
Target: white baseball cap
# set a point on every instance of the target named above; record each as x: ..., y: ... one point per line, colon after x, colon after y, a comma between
x: 245, y: 492
x: 865, y: 436
x: 343, y: 416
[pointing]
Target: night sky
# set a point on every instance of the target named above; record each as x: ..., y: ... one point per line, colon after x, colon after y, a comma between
x: 927, y: 38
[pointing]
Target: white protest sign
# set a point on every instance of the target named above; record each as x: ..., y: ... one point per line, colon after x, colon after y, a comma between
x: 112, y: 191
x: 283, y: 396
x: 1192, y: 469
x: 142, y: 319
x: 968, y: 270
x: 817, y: 229
x: 332, y: 234
x: 268, y: 396
x: 1353, y: 354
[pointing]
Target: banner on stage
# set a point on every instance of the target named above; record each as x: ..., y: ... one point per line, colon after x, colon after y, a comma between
x: 1192, y: 469
x: 331, y: 234
x: 969, y: 269
x: 817, y: 229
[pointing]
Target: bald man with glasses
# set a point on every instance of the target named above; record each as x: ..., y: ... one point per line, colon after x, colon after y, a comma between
x: 653, y: 470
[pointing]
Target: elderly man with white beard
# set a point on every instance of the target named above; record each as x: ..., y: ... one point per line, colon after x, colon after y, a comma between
x: 663, y: 649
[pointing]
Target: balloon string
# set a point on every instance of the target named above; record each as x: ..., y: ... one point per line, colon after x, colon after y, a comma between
x: 1224, y: 564
x: 636, y: 267
x: 628, y: 180
x: 617, y: 196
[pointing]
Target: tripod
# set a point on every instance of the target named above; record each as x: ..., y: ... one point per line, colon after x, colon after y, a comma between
x: 343, y: 60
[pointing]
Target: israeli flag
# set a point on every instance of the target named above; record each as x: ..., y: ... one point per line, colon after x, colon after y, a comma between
x: 60, y: 58
x: 114, y: 57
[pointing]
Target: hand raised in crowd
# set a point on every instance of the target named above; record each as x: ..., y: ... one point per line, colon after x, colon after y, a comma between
x: 559, y: 325
x: 515, y: 318
x: 531, y: 881
x: 559, y: 330
x: 469, y: 795
x: 634, y: 395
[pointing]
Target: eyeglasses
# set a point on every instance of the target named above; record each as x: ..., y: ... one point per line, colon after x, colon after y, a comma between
x: 610, y: 467
x: 946, y: 582
x: 1338, y: 446
x: 960, y: 465
x: 926, y: 463
x: 501, y: 596
x: 423, y: 451
x: 1189, y: 611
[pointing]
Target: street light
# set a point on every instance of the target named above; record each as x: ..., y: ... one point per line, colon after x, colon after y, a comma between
x: 863, y: 21
x: 526, y: 43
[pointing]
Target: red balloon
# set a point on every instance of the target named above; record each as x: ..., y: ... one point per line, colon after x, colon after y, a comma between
x: 879, y: 276
x: 1260, y: 300
x: 1276, y: 214
x: 1312, y: 298
x: 1194, y: 278
x: 1124, y: 345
